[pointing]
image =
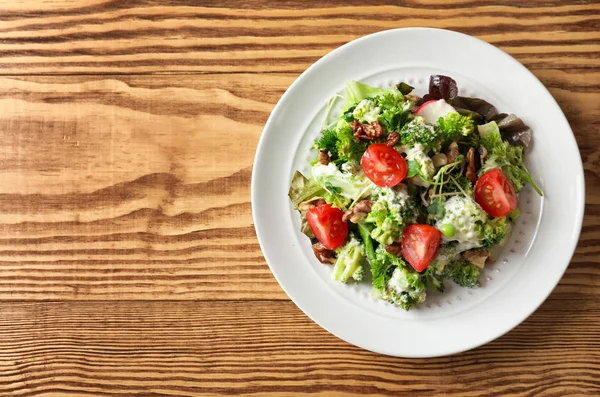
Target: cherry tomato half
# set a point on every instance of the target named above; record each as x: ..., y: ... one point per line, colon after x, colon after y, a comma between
x: 326, y: 223
x: 383, y: 165
x: 420, y: 244
x: 495, y: 193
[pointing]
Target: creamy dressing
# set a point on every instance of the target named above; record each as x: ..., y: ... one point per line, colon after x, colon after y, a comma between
x: 467, y: 217
x: 398, y: 282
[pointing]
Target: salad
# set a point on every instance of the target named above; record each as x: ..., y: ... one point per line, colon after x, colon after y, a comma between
x: 408, y: 192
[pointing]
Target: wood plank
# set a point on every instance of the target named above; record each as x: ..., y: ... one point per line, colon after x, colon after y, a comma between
x: 110, y: 187
x: 111, y: 37
x: 272, y: 349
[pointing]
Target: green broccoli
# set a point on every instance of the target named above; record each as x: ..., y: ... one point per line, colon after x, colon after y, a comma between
x: 365, y: 234
x: 394, y: 281
x: 406, y: 300
x: 386, y: 230
x: 432, y: 279
x: 349, y: 261
x: 392, y: 210
x: 453, y: 125
x: 462, y: 273
x: 328, y: 142
x: 496, y: 232
x: 382, y: 267
x: 424, y: 163
x: 395, y: 110
x: 386, y: 105
x: 347, y: 149
x: 340, y: 144
x: 405, y: 288
x: 417, y: 131
x: 434, y: 274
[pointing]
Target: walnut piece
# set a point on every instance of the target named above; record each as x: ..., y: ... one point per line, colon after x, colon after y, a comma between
x: 323, y: 254
x: 452, y: 152
x: 439, y: 160
x: 323, y: 157
x: 392, y: 139
x: 412, y: 97
x: 478, y: 257
x: 359, y: 212
x: 471, y: 173
x: 366, y: 131
x: 310, y: 204
x: 395, y: 248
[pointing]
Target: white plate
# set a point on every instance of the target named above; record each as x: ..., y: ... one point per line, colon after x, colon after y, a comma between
x: 527, y: 269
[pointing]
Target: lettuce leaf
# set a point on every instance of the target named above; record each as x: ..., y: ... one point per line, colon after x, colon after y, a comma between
x: 302, y: 189
x: 512, y: 128
x: 356, y: 92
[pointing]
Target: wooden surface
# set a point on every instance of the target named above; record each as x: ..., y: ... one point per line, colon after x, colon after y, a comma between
x: 128, y: 260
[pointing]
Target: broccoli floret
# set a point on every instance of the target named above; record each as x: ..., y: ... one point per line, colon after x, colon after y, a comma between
x: 446, y: 254
x: 405, y: 288
x: 453, y: 125
x: 365, y: 234
x: 366, y: 111
x: 395, y: 110
x: 434, y: 274
x: 340, y: 144
x: 432, y: 279
x: 462, y: 273
x: 328, y: 141
x: 367, y: 104
x: 407, y: 300
x: 394, y: 281
x: 417, y: 131
x: 425, y: 165
x: 386, y: 230
x: 510, y: 160
x: 496, y: 232
x: 382, y: 267
x: 392, y: 210
x: 347, y: 149
x: 349, y: 261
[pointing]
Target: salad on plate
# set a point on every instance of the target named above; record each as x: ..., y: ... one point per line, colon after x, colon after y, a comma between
x: 408, y: 192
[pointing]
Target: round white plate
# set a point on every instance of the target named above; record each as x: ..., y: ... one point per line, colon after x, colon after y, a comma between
x: 527, y: 268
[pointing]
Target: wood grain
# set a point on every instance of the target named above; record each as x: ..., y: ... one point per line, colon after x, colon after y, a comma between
x: 109, y: 37
x: 128, y: 260
x: 271, y: 349
x: 127, y: 194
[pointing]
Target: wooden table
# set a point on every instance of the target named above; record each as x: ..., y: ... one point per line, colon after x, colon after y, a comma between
x: 129, y: 264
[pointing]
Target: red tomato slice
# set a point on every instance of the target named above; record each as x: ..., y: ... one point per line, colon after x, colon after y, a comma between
x: 383, y: 165
x: 326, y: 223
x: 495, y: 193
x: 420, y: 244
